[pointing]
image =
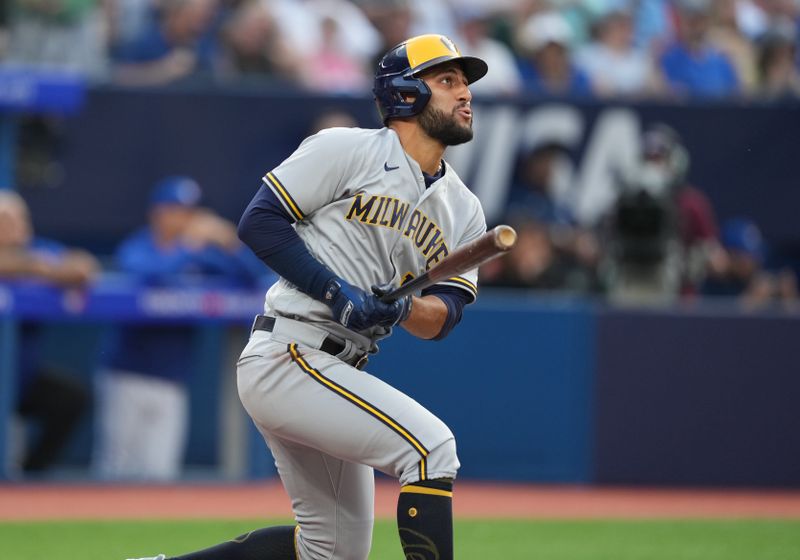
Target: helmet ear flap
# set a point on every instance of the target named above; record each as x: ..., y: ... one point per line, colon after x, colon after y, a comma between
x: 402, y: 96
x: 412, y: 94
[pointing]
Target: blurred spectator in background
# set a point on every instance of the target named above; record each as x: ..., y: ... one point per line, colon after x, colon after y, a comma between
x: 662, y: 232
x: 726, y: 35
x: 503, y: 78
x: 178, y: 42
x: 537, y: 263
x: 653, y: 23
x: 546, y: 66
x: 774, y: 12
x: 752, y: 17
x: 608, y: 48
x: 28, y: 257
x: 742, y: 274
x: 51, y: 400
x: 778, y: 74
x: 302, y: 23
x: 333, y: 38
x: 331, y: 68
x: 60, y: 34
x: 692, y: 65
x: 531, y: 193
x: 432, y: 16
x: 143, y: 396
x: 393, y: 20
x: 744, y: 256
x: 127, y: 19
x: 614, y: 64
x: 568, y: 253
x: 254, y: 47
x: 666, y: 163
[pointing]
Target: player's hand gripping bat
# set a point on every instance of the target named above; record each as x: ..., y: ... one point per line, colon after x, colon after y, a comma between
x: 488, y: 246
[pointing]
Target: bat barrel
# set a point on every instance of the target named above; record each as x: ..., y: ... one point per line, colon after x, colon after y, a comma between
x: 490, y: 245
x: 504, y: 237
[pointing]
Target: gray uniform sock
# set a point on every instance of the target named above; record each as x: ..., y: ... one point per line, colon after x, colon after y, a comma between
x: 272, y: 543
x: 425, y: 520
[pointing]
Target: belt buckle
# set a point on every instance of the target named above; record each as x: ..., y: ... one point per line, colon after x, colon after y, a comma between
x: 362, y: 361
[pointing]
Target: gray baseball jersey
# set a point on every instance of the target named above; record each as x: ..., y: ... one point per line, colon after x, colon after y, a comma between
x: 363, y: 209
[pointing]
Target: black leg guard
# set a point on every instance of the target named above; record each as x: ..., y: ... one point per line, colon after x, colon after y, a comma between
x: 272, y: 543
x: 425, y: 520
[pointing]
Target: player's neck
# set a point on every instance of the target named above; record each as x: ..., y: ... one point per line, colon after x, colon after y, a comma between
x: 426, y: 151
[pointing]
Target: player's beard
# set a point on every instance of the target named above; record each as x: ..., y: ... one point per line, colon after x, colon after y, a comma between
x: 444, y: 128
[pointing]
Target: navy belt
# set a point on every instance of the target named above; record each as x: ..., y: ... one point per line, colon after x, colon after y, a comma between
x: 266, y: 323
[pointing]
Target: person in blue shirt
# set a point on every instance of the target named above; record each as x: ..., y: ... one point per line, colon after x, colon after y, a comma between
x: 144, y: 403
x: 547, y: 68
x: 49, y: 397
x: 691, y: 65
x: 177, y: 42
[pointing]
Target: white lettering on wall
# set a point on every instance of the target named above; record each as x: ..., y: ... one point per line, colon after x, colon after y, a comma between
x: 586, y: 181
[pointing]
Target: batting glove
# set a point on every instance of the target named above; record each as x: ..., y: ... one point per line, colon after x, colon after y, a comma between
x: 401, y: 308
x: 358, y: 310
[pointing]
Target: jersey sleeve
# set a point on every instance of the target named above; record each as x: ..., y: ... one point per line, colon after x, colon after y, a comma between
x: 313, y: 175
x: 469, y: 280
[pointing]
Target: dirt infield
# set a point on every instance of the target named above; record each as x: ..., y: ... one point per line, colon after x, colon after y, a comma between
x: 267, y: 499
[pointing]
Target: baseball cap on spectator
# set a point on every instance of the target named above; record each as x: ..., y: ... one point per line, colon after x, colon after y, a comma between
x: 176, y: 190
x: 543, y: 29
x: 743, y: 236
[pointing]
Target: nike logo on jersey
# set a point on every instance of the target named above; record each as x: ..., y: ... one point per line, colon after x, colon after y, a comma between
x: 387, y: 167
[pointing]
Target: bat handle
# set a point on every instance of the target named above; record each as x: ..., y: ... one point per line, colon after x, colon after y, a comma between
x: 401, y: 291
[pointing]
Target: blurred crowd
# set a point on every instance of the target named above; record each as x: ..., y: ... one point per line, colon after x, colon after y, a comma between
x: 660, y: 242
x: 143, y: 370
x: 605, y: 48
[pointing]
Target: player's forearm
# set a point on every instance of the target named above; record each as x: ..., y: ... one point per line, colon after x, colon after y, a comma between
x: 428, y: 316
x: 74, y: 269
x: 14, y: 264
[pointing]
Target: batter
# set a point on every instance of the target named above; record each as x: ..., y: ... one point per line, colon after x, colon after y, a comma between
x: 349, y: 215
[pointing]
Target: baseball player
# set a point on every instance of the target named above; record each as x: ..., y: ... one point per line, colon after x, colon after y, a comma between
x: 350, y: 214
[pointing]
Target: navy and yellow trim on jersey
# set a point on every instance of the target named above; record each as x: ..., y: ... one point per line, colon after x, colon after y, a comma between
x: 358, y: 401
x: 283, y: 195
x: 435, y: 487
x: 413, y: 489
x: 463, y: 283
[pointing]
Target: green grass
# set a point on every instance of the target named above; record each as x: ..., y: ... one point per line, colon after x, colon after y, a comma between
x: 475, y: 540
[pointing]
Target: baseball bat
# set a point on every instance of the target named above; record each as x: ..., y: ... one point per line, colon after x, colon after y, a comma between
x: 491, y: 244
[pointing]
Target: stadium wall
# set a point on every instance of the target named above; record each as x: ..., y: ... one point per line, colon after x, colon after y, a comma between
x: 535, y: 389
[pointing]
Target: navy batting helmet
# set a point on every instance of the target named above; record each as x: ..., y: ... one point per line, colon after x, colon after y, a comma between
x: 398, y: 89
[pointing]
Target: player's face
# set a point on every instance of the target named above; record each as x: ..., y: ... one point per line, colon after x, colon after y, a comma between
x: 448, y: 115
x: 171, y: 220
